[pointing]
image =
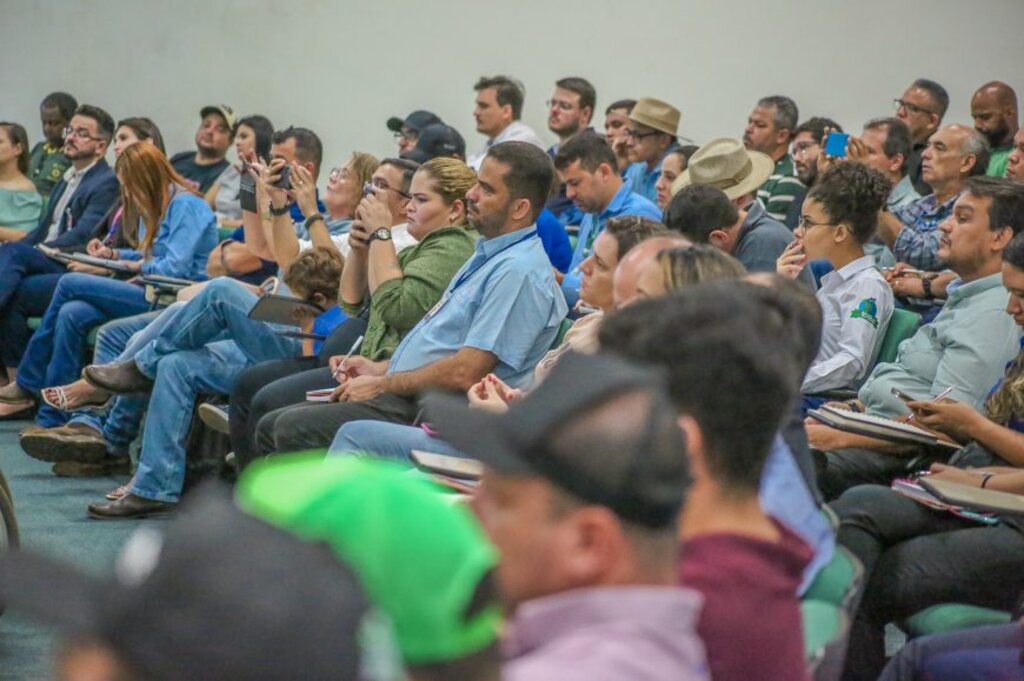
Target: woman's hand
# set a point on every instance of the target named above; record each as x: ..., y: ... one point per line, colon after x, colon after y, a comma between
x: 792, y: 260
x: 303, y: 189
x: 82, y: 268
x: 492, y: 394
x: 943, y: 471
x: 98, y: 249
x: 956, y: 419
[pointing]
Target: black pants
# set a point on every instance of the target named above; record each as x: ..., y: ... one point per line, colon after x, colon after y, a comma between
x: 915, y: 557
x: 843, y: 469
x: 270, y: 385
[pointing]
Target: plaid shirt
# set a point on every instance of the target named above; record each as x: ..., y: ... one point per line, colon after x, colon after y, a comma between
x: 917, y: 244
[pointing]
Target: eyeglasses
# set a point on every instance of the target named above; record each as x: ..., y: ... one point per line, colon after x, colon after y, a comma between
x: 801, y: 148
x: 338, y: 174
x: 564, y: 106
x: 805, y: 223
x: 910, y: 107
x: 80, y: 133
x: 632, y: 132
x: 372, y: 185
x: 410, y: 135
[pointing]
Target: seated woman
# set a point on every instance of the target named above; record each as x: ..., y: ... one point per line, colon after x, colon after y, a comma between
x: 35, y: 292
x: 399, y: 287
x: 915, y: 556
x: 174, y: 231
x: 20, y: 203
x: 672, y: 166
x: 670, y: 271
x: 839, y: 216
x: 251, y: 133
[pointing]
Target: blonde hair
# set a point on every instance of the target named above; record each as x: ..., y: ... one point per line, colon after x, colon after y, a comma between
x: 1006, y: 403
x: 452, y: 178
x: 363, y: 166
x: 682, y: 267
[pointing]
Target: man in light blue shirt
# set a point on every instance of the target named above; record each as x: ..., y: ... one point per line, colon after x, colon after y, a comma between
x: 586, y: 166
x: 499, y: 314
x: 965, y: 348
x: 653, y: 128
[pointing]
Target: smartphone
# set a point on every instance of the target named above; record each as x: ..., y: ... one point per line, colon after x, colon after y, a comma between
x: 368, y: 189
x: 456, y: 467
x: 903, y: 396
x: 247, y: 193
x: 285, y: 181
x: 835, y: 144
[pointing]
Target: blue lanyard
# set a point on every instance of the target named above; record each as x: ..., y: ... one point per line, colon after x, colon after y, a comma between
x: 469, y: 273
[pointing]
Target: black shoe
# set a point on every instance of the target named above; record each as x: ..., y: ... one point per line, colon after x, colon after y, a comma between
x: 118, y: 377
x: 129, y: 506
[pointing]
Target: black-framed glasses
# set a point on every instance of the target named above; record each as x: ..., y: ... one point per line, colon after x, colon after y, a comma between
x: 410, y: 135
x: 372, y: 185
x: 803, y: 147
x: 909, y: 106
x: 564, y: 106
x: 80, y: 133
x: 805, y: 222
x: 637, y: 135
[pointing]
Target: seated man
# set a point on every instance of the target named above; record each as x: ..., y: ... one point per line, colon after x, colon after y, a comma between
x: 651, y: 133
x: 47, y: 161
x: 963, y: 350
x: 769, y: 130
x: 213, y: 139
x: 77, y: 205
x: 499, y: 314
x: 586, y: 166
x: 921, y: 108
x: 808, y: 148
x: 712, y: 204
x: 407, y: 131
x: 499, y: 106
x: 582, y: 487
x: 728, y: 356
x: 954, y: 153
x: 994, y: 110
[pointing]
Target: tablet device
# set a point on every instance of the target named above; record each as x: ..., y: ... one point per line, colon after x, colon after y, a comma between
x: 278, y: 309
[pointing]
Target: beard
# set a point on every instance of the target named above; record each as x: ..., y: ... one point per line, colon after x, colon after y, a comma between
x: 996, y: 136
x: 808, y: 175
x: 489, y: 225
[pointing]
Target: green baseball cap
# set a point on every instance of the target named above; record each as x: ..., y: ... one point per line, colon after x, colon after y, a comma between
x: 421, y: 558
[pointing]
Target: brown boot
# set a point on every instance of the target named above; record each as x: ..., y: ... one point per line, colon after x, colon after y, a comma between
x: 73, y: 442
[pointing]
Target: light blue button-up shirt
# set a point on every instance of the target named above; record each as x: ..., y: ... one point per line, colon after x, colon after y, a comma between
x: 504, y: 301
x: 625, y: 202
x: 784, y: 496
x: 641, y: 180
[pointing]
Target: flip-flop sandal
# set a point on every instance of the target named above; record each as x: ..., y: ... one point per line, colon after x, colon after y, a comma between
x: 61, y: 401
x: 118, y: 492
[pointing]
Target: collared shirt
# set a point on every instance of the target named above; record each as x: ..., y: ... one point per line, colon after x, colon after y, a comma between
x: 73, y: 178
x: 622, y: 633
x: 902, y: 194
x: 625, y: 202
x: 917, y: 244
x: 782, y: 187
x: 785, y: 496
x: 965, y: 347
x: 46, y: 165
x: 856, y: 304
x: 761, y: 241
x: 642, y: 179
x: 187, y: 234
x: 517, y: 131
x: 504, y: 300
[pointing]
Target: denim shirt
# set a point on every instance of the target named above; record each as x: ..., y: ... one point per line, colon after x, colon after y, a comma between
x: 188, y: 232
x: 625, y: 202
x: 785, y: 497
x: 504, y: 300
x: 641, y: 180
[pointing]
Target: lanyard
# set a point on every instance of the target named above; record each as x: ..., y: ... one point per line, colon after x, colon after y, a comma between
x: 469, y: 273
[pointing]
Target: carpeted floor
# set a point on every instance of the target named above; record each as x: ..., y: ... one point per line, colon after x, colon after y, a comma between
x: 51, y: 514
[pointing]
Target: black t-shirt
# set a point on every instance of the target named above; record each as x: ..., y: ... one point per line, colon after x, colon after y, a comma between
x: 203, y: 177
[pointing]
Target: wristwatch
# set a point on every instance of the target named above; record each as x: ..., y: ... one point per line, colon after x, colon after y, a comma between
x: 384, y: 234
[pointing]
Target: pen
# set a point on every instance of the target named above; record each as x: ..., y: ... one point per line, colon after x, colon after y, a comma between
x: 936, y: 399
x: 341, y: 364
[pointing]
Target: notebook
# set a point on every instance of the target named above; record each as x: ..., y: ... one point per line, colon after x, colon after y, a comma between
x: 975, y: 498
x: 877, y: 427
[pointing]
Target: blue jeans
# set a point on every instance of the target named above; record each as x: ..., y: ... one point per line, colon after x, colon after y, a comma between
x: 54, y: 355
x: 387, y: 440
x: 31, y: 299
x: 221, y: 310
x: 116, y: 340
x: 981, y: 654
x: 19, y: 261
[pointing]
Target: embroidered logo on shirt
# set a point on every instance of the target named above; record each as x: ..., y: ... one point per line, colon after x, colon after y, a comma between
x: 867, y: 310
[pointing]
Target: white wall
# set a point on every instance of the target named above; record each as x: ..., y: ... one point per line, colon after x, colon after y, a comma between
x: 343, y: 67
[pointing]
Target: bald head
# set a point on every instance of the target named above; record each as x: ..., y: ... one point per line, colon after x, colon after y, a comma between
x: 628, y: 271
x: 994, y: 108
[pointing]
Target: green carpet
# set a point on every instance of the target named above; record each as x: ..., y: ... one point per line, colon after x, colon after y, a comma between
x: 51, y: 514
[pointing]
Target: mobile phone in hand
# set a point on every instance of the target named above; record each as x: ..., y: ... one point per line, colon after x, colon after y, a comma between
x: 835, y: 144
x: 903, y: 396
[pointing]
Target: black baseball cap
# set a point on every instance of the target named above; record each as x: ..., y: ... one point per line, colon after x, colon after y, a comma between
x: 633, y: 461
x: 417, y: 120
x: 437, y: 139
x: 219, y: 595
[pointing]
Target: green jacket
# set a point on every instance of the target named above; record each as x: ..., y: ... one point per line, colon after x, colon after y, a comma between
x: 46, y: 166
x: 398, y: 304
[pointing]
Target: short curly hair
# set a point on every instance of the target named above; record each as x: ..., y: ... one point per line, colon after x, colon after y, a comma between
x: 853, y: 193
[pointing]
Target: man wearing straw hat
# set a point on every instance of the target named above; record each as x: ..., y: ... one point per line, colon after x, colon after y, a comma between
x: 653, y: 128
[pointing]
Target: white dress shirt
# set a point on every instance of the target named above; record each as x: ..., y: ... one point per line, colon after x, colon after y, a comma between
x: 73, y: 178
x: 516, y: 132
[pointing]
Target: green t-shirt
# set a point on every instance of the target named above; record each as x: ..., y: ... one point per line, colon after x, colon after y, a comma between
x: 998, y: 161
x: 398, y: 304
x: 46, y: 166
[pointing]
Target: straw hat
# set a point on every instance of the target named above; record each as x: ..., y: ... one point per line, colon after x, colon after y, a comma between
x: 726, y: 164
x: 656, y: 114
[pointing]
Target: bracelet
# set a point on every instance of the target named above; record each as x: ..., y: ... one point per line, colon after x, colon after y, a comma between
x: 313, y: 218
x: 985, y: 477
x: 278, y: 212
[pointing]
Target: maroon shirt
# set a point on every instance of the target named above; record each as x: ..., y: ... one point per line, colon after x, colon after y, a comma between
x: 750, y: 624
